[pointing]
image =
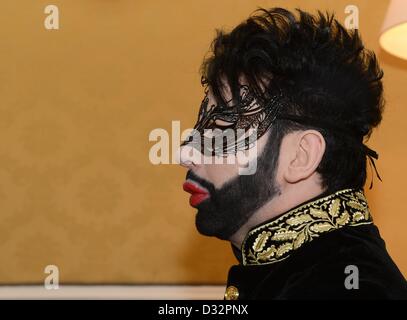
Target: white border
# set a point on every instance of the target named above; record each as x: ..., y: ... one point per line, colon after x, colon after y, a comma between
x: 139, y: 292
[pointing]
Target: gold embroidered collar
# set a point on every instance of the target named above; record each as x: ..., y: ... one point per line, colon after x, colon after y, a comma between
x: 275, y: 240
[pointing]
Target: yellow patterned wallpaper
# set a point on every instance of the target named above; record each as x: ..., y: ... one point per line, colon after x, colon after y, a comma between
x: 77, y: 104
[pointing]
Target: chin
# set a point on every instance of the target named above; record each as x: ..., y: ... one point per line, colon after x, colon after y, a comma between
x: 210, y: 228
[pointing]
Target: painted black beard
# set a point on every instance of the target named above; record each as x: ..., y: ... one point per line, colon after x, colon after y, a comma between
x: 229, y: 207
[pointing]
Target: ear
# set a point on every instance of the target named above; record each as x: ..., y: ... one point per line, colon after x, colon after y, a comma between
x: 307, y: 150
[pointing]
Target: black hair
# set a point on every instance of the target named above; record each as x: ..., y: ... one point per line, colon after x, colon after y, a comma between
x: 324, y: 70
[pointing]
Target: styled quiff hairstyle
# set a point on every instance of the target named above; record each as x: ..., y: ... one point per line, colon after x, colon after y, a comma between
x: 323, y: 68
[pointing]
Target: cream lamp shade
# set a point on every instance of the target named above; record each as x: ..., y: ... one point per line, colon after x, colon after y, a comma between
x: 393, y: 36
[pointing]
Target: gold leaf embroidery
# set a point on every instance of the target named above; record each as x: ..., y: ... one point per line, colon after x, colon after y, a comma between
x: 317, y: 213
x: 267, y: 254
x: 334, y: 207
x: 284, y: 235
x: 356, y: 205
x: 321, y: 227
x: 261, y: 241
x: 284, y: 248
x: 367, y: 213
x: 294, y: 221
x: 251, y: 256
x: 357, y: 216
x: 343, y: 219
x: 299, y: 240
x: 361, y: 196
x: 274, y: 240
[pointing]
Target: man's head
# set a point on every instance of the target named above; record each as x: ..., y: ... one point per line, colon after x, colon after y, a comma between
x: 317, y: 94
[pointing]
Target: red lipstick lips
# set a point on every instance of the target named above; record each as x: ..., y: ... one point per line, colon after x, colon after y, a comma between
x: 198, y: 193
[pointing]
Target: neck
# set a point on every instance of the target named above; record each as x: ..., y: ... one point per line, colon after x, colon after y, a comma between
x: 284, y: 200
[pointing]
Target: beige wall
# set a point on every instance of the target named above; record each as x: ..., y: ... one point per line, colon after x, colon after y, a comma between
x: 76, y: 108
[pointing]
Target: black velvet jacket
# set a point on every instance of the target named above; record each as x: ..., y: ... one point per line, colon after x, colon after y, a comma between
x: 326, y: 248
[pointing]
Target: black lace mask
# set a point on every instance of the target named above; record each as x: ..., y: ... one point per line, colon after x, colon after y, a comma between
x: 226, y: 129
x: 237, y: 127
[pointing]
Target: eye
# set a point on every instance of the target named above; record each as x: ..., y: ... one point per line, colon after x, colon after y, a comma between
x: 227, y: 116
x: 223, y: 123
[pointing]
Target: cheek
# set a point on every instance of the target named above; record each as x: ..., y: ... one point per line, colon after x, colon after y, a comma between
x: 219, y: 174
